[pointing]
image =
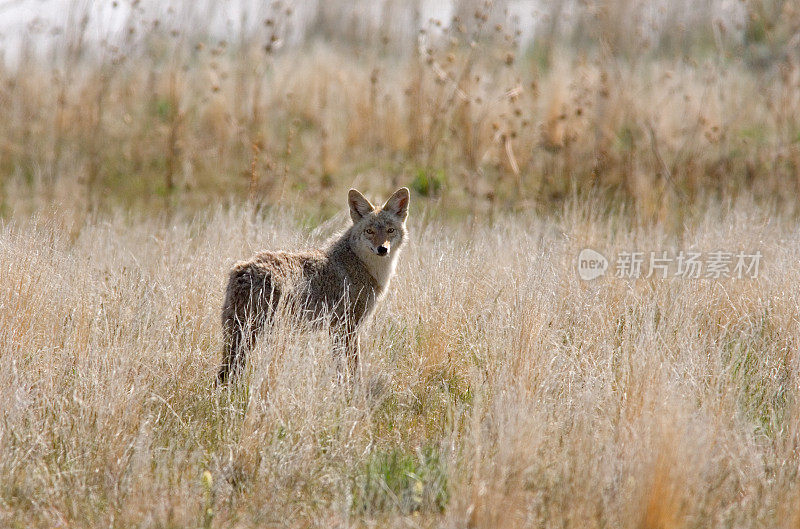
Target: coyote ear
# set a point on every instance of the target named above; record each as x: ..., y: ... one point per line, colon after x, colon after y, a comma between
x: 398, y: 203
x: 359, y: 206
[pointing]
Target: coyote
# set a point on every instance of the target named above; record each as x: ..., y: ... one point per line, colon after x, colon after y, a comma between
x: 341, y: 282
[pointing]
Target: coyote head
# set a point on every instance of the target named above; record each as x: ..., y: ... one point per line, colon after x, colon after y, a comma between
x: 378, y: 231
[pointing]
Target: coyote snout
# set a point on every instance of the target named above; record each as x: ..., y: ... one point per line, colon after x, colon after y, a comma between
x: 341, y: 283
x: 379, y: 238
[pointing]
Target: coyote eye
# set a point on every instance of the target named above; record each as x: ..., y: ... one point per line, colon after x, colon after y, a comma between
x: 390, y: 230
x: 370, y: 231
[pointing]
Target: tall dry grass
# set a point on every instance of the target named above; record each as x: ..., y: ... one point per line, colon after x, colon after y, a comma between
x: 656, y: 107
x: 499, y: 390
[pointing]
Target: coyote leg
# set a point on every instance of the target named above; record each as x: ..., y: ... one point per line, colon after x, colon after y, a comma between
x: 353, y: 348
x: 239, y: 340
x: 347, y: 344
x: 244, y: 314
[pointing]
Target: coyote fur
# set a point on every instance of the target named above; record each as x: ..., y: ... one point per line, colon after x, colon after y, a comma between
x: 341, y: 283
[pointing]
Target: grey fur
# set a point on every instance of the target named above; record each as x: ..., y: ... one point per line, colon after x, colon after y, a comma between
x: 342, y: 282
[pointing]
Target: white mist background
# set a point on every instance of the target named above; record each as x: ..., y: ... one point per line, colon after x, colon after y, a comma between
x: 37, y: 27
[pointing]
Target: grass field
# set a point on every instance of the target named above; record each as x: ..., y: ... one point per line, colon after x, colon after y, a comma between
x: 166, y: 114
x: 499, y: 389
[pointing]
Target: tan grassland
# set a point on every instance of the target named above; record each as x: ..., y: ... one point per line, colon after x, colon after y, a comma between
x: 499, y: 390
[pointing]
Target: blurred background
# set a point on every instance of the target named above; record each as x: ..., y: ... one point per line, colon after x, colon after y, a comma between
x: 480, y: 107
